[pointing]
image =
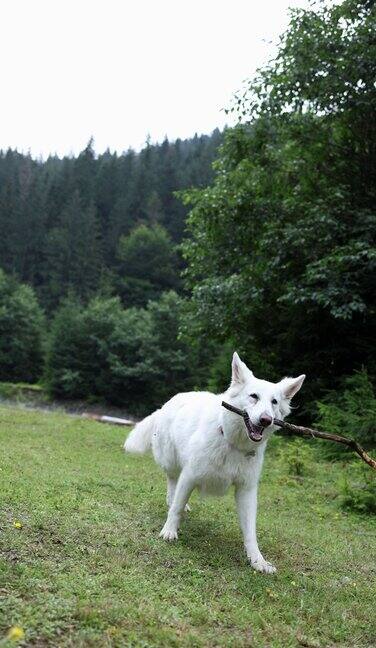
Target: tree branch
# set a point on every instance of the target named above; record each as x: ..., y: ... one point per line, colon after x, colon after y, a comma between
x: 299, y: 430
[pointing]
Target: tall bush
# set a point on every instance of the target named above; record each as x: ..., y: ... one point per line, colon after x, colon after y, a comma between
x: 21, y: 332
x: 350, y: 411
x: 78, y: 358
x: 358, y: 488
x: 130, y: 357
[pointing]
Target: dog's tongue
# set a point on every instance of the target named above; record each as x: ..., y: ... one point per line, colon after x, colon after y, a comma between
x: 255, y: 435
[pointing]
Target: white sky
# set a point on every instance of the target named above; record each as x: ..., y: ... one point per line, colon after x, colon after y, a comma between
x: 120, y: 69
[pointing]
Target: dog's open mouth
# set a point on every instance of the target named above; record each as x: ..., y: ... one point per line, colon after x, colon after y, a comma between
x: 254, y: 431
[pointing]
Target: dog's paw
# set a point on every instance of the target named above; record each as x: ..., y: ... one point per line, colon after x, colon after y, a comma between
x: 263, y: 566
x: 169, y: 534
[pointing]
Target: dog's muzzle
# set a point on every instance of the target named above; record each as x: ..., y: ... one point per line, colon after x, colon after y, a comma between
x: 254, y: 432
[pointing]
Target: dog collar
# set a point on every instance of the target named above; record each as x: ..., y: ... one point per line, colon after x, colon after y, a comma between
x: 250, y: 453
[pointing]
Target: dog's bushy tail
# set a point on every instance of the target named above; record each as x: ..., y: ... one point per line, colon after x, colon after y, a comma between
x: 139, y: 440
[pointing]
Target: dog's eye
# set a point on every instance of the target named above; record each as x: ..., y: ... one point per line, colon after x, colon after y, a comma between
x: 274, y: 401
x: 254, y: 396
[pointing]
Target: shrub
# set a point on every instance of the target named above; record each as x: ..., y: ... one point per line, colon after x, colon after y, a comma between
x: 358, y: 488
x: 21, y: 332
x: 130, y: 371
x: 129, y: 357
x: 297, y: 457
x: 77, y: 359
x: 148, y: 363
x: 350, y: 412
x: 174, y: 362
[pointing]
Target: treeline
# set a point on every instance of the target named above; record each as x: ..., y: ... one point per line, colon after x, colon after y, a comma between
x: 89, y: 251
x: 108, y: 223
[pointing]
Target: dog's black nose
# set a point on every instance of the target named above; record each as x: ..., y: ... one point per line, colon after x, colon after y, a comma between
x: 265, y: 420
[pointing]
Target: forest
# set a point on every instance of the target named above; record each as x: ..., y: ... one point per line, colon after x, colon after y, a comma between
x: 126, y: 278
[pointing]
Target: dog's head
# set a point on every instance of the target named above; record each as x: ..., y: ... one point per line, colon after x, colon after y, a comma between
x: 262, y: 400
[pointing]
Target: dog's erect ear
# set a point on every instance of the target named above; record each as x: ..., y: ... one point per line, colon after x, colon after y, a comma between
x: 290, y: 386
x: 240, y: 371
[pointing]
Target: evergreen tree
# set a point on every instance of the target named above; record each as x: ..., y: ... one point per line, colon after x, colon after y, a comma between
x: 148, y: 265
x: 73, y: 252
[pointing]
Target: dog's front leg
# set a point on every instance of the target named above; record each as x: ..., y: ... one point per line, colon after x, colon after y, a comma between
x: 246, y: 501
x: 184, y: 488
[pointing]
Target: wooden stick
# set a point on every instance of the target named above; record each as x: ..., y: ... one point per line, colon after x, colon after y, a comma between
x: 299, y: 430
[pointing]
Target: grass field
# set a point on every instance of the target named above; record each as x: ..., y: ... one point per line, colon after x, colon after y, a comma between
x: 81, y: 563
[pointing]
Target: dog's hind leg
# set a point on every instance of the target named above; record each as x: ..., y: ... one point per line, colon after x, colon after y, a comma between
x: 184, y: 488
x: 171, y: 487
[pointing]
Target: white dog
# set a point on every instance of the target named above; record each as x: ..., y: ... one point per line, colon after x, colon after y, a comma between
x: 199, y: 444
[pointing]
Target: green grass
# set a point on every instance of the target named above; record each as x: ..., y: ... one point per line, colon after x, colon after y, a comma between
x: 87, y: 568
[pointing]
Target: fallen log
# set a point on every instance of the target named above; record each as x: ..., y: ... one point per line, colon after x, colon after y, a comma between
x: 299, y: 430
x: 114, y: 420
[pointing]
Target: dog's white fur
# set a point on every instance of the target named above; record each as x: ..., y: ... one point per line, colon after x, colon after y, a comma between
x: 199, y: 444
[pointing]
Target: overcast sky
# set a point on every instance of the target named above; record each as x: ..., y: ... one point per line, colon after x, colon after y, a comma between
x: 122, y: 69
